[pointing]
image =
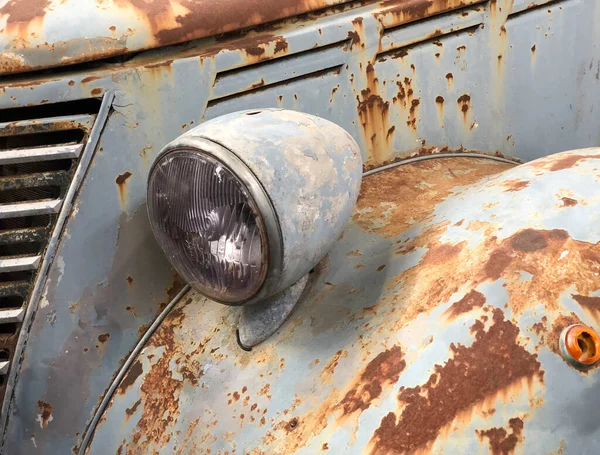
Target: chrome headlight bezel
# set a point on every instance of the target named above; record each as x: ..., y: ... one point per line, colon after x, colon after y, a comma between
x: 265, y: 213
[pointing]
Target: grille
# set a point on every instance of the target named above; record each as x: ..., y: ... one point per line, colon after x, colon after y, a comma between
x: 39, y: 151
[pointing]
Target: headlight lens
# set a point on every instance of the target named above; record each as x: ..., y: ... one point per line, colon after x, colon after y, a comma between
x: 207, y: 222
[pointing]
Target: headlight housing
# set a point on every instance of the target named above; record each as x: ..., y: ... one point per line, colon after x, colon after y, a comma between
x: 244, y: 205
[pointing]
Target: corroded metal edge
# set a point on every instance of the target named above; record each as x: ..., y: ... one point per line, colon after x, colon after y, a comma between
x: 63, y: 215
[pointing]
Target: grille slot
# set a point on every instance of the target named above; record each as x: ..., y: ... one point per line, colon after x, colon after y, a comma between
x: 38, y: 157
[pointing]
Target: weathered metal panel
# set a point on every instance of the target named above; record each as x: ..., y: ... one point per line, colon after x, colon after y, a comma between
x: 542, y: 106
x: 43, y: 33
x: 431, y: 327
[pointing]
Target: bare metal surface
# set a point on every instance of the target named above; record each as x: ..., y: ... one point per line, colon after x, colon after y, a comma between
x: 432, y: 326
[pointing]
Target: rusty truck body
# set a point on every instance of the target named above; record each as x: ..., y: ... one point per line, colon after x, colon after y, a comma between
x: 434, y: 322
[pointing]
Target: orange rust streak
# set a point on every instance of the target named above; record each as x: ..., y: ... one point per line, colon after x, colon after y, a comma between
x: 439, y: 104
x: 373, y: 113
x: 395, y: 13
x: 121, y: 182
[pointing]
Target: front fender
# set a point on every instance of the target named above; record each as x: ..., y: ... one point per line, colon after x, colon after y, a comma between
x: 432, y: 325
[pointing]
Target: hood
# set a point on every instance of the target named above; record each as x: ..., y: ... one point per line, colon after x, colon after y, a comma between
x: 41, y: 34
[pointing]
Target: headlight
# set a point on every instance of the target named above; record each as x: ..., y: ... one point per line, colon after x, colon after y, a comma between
x: 208, y: 223
x: 246, y: 204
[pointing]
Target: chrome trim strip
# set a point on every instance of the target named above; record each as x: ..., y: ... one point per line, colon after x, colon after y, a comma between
x: 40, y: 154
x: 84, y: 162
x: 14, y: 315
x: 19, y: 264
x: 29, y: 208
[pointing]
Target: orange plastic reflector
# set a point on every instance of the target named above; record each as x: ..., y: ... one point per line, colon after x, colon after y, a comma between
x: 583, y: 344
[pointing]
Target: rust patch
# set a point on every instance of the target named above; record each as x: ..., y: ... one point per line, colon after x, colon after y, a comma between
x: 412, y: 116
x: 281, y: 45
x: 22, y: 12
x: 568, y: 202
x: 513, y: 186
x: 395, y: 13
x: 384, y: 369
x: 590, y: 304
x: 103, y: 337
x: 373, y: 113
x: 122, y: 178
x: 405, y: 199
x: 529, y: 240
x: 130, y: 411
x: 442, y: 253
x: 85, y: 80
x: 96, y: 91
x: 501, y: 442
x: 354, y: 38
x: 449, y: 80
x: 160, y: 409
x: 439, y: 104
x: 258, y: 84
x: 560, y: 162
x: 494, y: 363
x: 464, y: 103
x: 122, y: 185
x: 134, y: 372
x: 473, y: 299
x: 540, y: 327
x: 45, y: 413
x: 401, y: 53
x: 163, y: 64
